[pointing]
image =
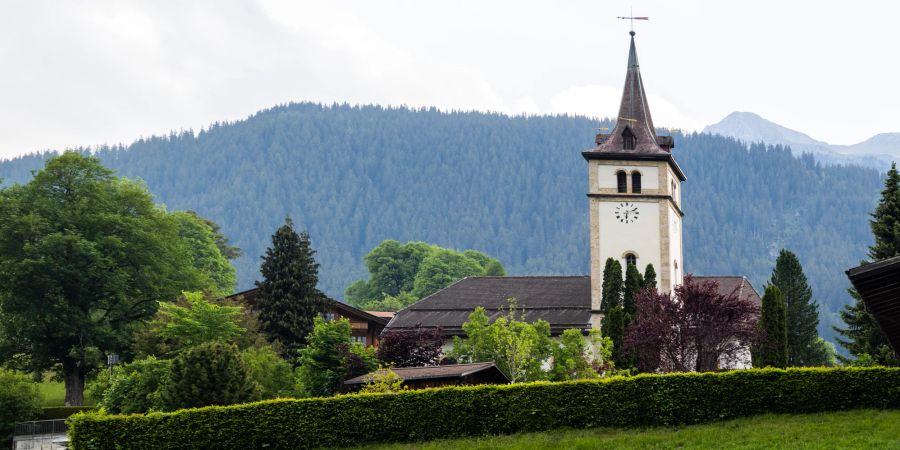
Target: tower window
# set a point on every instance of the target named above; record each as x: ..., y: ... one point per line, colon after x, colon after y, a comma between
x: 622, y: 181
x: 628, y: 138
x: 630, y: 259
x: 636, y: 182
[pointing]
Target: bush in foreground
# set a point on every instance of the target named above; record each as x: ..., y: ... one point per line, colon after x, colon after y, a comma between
x: 19, y: 401
x: 643, y: 400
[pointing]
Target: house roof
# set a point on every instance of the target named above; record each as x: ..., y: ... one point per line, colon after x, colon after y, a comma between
x: 249, y: 296
x: 729, y: 283
x: 563, y: 301
x: 433, y: 372
x: 878, y: 285
x: 383, y: 314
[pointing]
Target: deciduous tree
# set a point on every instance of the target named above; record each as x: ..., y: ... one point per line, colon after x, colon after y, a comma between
x: 411, y: 348
x: 330, y: 358
x: 695, y: 329
x: 84, y: 256
x: 517, y: 347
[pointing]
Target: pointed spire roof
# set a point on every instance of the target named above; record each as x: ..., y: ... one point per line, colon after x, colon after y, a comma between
x: 634, y: 116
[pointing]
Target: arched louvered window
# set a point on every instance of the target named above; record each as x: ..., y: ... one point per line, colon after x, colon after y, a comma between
x: 631, y: 259
x: 636, y: 182
x: 622, y: 181
x: 628, y: 138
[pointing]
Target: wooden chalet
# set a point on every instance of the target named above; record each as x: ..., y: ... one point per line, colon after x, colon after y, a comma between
x: 878, y: 284
x: 366, y: 326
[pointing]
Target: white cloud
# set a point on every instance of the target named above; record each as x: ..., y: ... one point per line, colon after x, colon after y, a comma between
x: 111, y: 71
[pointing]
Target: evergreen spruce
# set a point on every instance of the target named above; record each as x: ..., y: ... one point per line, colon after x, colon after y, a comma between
x: 862, y: 336
x: 802, y: 310
x: 773, y: 350
x: 650, y: 277
x: 612, y: 286
x: 288, y: 299
x: 885, y: 221
x: 634, y: 282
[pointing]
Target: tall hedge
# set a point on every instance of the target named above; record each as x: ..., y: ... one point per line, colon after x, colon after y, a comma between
x: 644, y: 400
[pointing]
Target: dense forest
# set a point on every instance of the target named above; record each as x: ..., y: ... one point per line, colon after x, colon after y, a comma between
x: 512, y: 187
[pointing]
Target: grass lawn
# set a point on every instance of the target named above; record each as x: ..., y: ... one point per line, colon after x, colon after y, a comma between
x: 850, y: 429
x: 53, y: 393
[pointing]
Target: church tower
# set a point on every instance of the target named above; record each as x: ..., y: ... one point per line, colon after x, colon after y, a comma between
x: 634, y: 194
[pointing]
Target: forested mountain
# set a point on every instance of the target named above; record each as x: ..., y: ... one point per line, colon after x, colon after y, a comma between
x: 512, y: 187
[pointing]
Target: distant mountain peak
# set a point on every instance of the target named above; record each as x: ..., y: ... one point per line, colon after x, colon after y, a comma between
x: 750, y: 127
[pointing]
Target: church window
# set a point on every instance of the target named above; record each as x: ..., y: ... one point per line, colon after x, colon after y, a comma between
x: 636, y: 182
x: 630, y: 259
x: 628, y: 138
x: 622, y: 181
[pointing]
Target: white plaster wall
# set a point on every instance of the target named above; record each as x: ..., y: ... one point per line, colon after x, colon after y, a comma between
x: 675, y: 230
x: 641, y: 237
x: 606, y: 176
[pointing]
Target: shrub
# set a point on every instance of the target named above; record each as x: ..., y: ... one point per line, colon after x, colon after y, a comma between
x: 209, y: 374
x: 415, y: 415
x: 329, y: 358
x: 135, y: 387
x: 274, y: 377
x: 19, y: 401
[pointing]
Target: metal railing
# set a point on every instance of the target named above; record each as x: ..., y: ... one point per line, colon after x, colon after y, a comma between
x: 58, y: 426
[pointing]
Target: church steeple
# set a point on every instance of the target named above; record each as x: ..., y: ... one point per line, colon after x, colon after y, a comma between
x: 634, y: 131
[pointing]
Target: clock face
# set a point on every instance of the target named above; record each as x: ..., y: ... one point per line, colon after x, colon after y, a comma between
x: 627, y: 212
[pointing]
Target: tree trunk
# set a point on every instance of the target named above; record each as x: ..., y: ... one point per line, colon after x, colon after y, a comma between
x: 74, y: 378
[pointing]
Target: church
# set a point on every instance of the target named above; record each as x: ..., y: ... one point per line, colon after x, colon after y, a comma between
x: 634, y: 203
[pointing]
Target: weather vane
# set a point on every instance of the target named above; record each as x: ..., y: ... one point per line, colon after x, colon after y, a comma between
x: 632, y: 18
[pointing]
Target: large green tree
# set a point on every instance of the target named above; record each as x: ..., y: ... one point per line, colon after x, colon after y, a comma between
x: 802, y: 310
x: 84, y: 256
x: 401, y: 274
x: 288, y: 298
x: 772, y: 350
x: 862, y: 337
x: 205, y: 252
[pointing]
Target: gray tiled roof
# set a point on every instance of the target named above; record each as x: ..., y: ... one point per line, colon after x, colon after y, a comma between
x: 563, y: 301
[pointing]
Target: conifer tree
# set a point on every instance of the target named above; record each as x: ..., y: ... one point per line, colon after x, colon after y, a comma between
x: 773, y: 350
x: 612, y: 285
x: 650, y: 277
x: 862, y: 336
x: 802, y: 310
x: 614, y: 317
x: 634, y: 282
x: 288, y: 299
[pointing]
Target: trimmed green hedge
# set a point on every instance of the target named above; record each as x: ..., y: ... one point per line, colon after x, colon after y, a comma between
x: 488, y: 410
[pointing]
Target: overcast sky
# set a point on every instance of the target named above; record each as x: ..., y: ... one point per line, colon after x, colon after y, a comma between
x: 86, y: 73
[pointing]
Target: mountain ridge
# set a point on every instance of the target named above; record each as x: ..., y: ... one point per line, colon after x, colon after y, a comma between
x: 877, y: 151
